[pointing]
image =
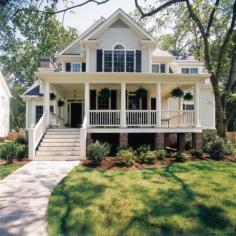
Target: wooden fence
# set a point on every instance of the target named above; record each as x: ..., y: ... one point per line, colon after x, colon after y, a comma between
x: 232, y: 136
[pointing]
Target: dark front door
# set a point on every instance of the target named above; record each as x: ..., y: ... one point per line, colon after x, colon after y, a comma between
x: 76, y: 115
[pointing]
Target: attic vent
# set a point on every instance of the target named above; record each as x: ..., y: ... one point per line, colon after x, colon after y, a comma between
x: 119, y: 24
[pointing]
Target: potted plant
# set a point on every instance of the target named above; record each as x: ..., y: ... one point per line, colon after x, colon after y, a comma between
x: 188, y: 96
x: 52, y: 96
x: 141, y: 92
x: 60, y: 103
x: 177, y: 93
x: 105, y: 93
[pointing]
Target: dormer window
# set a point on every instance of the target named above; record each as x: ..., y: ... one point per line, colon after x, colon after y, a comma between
x: 159, y: 68
x: 187, y: 70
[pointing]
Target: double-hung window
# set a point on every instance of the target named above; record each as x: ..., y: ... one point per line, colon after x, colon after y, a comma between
x: 75, y: 67
x: 119, y: 60
x: 186, y: 70
x: 159, y: 68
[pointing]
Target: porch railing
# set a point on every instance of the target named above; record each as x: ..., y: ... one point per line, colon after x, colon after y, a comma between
x: 141, y: 118
x: 104, y: 118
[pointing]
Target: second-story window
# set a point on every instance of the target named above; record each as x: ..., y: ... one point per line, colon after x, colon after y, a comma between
x: 158, y: 68
x: 186, y: 70
x: 75, y: 67
x: 119, y: 59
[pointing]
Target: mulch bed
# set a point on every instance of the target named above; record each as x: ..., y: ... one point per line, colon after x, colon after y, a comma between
x: 22, y: 162
x: 112, y: 163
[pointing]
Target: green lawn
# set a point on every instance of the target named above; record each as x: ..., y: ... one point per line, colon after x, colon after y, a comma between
x: 7, y: 169
x: 197, y: 198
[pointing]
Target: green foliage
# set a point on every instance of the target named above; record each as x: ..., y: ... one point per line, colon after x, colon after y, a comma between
x: 105, y: 93
x: 161, y: 154
x: 126, y: 157
x: 177, y: 93
x: 196, y: 153
x: 143, y: 148
x: 217, y: 149
x: 182, y: 156
x: 208, y: 137
x: 21, y: 152
x: 149, y: 157
x: 188, y: 96
x: 8, y: 152
x: 60, y: 103
x: 21, y: 140
x: 141, y: 92
x: 98, y: 151
x: 229, y: 148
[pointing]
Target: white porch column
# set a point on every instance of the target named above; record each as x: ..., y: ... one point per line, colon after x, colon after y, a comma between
x: 158, y: 105
x: 123, y: 105
x: 196, y: 106
x: 46, y: 101
x: 86, y: 101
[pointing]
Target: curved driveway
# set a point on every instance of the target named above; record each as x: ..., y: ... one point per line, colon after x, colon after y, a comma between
x: 24, y: 197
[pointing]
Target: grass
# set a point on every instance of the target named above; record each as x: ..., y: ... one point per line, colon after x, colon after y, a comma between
x: 6, y: 169
x: 197, y: 198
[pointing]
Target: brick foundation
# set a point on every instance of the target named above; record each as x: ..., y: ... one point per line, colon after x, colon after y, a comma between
x: 123, y: 139
x: 197, y: 140
x: 89, y: 139
x: 181, y: 141
x: 159, y: 141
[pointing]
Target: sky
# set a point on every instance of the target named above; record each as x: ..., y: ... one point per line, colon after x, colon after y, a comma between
x: 83, y: 17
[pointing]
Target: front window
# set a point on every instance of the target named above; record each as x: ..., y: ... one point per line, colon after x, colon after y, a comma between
x: 75, y: 67
x: 119, y: 59
x: 103, y: 103
x: 159, y: 68
x: 133, y: 103
x: 188, y: 107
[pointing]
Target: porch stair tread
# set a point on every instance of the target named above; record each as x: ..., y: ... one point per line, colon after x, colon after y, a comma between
x: 59, y: 144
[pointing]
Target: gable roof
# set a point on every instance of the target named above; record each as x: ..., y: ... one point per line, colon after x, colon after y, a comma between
x: 3, y: 84
x: 33, y: 90
x: 120, y: 14
x: 83, y: 35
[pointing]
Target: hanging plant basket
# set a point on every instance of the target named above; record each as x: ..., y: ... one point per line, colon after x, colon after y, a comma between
x: 105, y: 93
x: 177, y: 93
x: 188, y: 96
x: 52, y: 96
x: 141, y: 92
x: 60, y: 103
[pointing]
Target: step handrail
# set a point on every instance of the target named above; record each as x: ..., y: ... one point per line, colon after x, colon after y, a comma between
x: 83, y: 138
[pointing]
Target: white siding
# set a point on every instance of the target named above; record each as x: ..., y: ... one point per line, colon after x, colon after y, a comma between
x: 92, y: 60
x: 145, y: 60
x: 207, y: 108
x: 4, y: 115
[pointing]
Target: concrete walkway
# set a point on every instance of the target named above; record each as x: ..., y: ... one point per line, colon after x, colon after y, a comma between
x: 24, y: 197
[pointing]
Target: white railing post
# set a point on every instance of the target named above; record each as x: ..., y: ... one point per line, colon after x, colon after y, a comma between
x: 86, y: 103
x: 83, y: 138
x: 123, y: 105
x: 196, y: 106
x: 158, y: 105
x: 46, y: 102
x: 31, y: 143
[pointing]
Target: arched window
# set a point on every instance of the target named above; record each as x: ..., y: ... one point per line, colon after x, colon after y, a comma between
x: 119, y: 47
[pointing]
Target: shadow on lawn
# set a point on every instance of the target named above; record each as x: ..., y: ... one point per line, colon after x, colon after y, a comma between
x: 156, y: 218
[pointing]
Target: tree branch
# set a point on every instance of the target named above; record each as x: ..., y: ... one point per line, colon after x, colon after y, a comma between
x: 63, y: 10
x: 158, y: 9
x: 211, y: 17
x: 226, y: 41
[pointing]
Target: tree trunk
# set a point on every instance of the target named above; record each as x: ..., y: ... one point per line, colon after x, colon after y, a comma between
x: 221, y: 124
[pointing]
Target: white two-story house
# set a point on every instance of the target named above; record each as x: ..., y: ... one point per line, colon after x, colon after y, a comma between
x: 115, y: 83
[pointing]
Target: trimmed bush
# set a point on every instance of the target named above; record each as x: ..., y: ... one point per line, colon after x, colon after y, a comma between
x: 143, y: 148
x: 149, y: 157
x: 21, y: 151
x: 229, y: 148
x: 97, y: 151
x: 161, y: 154
x: 217, y: 149
x: 182, y: 156
x: 8, y: 152
x: 126, y: 157
x: 21, y: 140
x: 196, y: 153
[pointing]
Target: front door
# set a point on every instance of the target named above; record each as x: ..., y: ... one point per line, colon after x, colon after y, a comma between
x: 76, y: 115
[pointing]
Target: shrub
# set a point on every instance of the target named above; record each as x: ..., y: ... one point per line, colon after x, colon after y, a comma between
x: 196, y: 153
x: 217, y: 149
x: 161, y: 154
x: 229, y: 148
x: 21, y: 140
x: 98, y: 151
x: 188, y: 144
x: 21, y: 151
x: 126, y: 157
x: 182, y: 156
x: 150, y: 157
x: 143, y: 148
x: 209, y: 136
x: 8, y: 152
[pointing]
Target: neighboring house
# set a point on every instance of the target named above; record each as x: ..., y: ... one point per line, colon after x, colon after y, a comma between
x: 115, y: 83
x: 5, y: 96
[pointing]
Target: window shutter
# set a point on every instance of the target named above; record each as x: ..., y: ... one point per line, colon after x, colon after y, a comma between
x: 163, y: 68
x: 83, y: 67
x: 113, y: 99
x: 68, y: 67
x: 138, y: 60
x: 93, y: 99
x: 153, y: 103
x: 144, y: 103
x: 99, y: 60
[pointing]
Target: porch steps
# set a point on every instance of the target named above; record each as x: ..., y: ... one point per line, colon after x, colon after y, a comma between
x: 59, y: 144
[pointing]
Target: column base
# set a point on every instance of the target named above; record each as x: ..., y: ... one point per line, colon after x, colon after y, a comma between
x: 123, y: 140
x: 159, y: 141
x: 181, y: 141
x: 197, y: 140
x: 89, y: 139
